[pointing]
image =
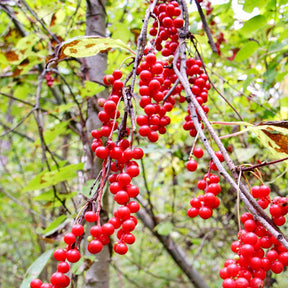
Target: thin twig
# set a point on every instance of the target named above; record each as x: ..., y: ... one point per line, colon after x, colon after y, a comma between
x: 206, y: 27
x: 241, y: 168
x: 19, y: 124
x: 212, y: 84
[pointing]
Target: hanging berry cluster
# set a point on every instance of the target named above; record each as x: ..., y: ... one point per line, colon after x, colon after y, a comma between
x: 256, y: 250
x: 204, y: 204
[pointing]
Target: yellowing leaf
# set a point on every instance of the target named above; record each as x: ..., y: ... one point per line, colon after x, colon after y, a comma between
x: 274, y: 136
x: 85, y: 46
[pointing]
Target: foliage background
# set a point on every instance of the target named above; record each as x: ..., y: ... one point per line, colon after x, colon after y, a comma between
x: 254, y: 82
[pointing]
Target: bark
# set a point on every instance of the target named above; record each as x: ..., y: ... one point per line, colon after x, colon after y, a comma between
x: 97, y: 276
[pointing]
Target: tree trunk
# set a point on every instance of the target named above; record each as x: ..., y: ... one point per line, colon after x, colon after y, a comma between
x: 97, y: 276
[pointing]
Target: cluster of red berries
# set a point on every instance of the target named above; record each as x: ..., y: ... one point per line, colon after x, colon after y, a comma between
x: 200, y: 87
x: 71, y: 254
x: 278, y: 206
x: 168, y: 22
x: 49, y: 79
x: 152, y: 89
x: 204, y: 204
x: 100, y: 234
x: 249, y: 267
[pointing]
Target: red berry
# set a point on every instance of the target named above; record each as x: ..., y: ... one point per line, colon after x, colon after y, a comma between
x: 96, y: 231
x: 247, y: 250
x: 124, y: 179
x: 193, y: 212
x: 35, y: 283
x: 117, y: 74
x: 63, y: 267
x: 167, y: 22
x: 95, y: 246
x: 264, y: 190
x: 69, y: 238
x: 123, y: 212
x: 178, y: 22
x: 198, y: 152
x: 191, y: 165
x: 229, y: 283
x: 77, y: 229
x: 205, y: 212
x: 256, y: 191
x: 102, y: 152
x: 132, y: 190
x: 46, y: 285
x: 108, y: 79
x: 256, y: 283
x: 129, y: 238
x: 120, y: 248
x: 196, y: 203
x: 57, y: 279
x: 115, y: 222
x: 121, y: 197
x: 73, y: 256
x: 133, y: 206
x: 108, y: 229
x: 60, y: 254
x: 145, y: 76
x: 138, y: 153
x: 90, y: 216
x: 283, y: 258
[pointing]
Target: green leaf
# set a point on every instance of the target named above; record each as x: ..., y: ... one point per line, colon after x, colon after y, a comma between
x: 52, y: 133
x: 164, y: 228
x: 253, y: 24
x: 49, y: 178
x: 90, y: 89
x: 249, y: 5
x: 55, y: 225
x: 246, y: 51
x: 36, y: 268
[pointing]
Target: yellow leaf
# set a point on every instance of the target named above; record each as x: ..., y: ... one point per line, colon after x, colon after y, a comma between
x: 85, y: 46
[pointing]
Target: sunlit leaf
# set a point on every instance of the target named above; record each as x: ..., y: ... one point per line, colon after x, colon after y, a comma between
x: 253, y: 24
x: 49, y: 178
x: 246, y: 51
x: 249, y: 5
